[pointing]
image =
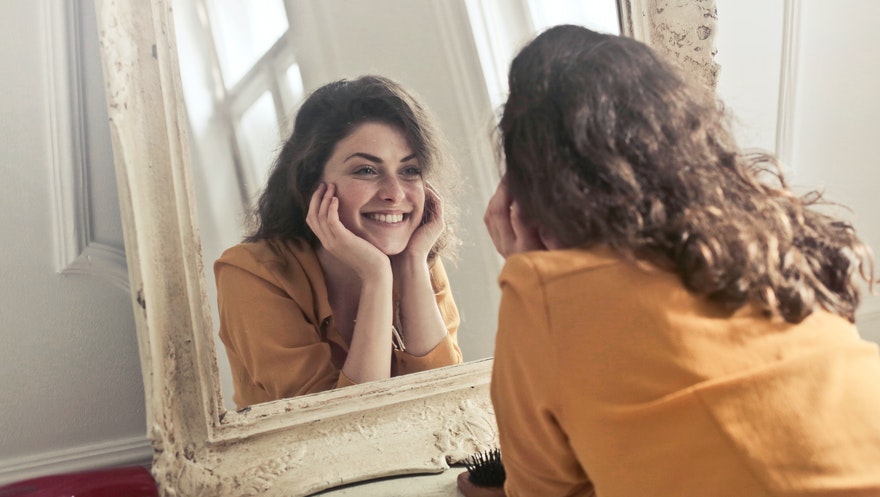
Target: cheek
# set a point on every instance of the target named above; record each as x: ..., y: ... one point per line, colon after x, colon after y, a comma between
x: 343, y: 210
x: 346, y: 206
x: 348, y: 212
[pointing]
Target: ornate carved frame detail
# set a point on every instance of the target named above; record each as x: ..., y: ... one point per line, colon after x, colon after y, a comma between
x: 413, y: 424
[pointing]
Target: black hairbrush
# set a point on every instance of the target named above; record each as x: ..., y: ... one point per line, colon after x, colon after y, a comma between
x: 485, y: 469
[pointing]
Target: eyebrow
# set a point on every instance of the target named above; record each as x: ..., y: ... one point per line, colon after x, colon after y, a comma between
x: 373, y: 158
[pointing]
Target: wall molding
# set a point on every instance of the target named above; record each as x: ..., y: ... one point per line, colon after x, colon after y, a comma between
x: 785, y: 117
x: 115, y: 453
x: 103, y: 261
x: 76, y: 251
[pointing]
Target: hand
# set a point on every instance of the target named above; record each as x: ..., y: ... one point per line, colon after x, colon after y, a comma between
x: 509, y: 232
x: 323, y: 218
x: 425, y: 236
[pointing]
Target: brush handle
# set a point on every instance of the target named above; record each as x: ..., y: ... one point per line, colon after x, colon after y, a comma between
x: 470, y: 490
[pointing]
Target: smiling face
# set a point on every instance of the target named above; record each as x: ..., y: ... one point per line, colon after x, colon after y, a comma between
x: 379, y: 184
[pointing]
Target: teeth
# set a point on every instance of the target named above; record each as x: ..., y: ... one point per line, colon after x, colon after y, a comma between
x: 386, y: 218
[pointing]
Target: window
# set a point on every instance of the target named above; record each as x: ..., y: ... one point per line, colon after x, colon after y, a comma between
x: 240, y: 81
x: 501, y: 27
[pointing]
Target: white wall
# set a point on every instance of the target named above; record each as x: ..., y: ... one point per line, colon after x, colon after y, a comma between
x: 824, y: 119
x: 71, y: 383
x: 836, y: 130
x: 70, y: 376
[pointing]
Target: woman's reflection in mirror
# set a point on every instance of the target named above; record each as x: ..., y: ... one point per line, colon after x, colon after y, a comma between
x: 340, y: 280
x: 674, y: 320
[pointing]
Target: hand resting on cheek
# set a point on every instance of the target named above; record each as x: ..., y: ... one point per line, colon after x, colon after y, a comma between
x: 323, y: 218
x: 509, y: 232
x: 430, y: 229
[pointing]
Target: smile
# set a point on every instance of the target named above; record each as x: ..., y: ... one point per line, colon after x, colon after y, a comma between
x: 387, y: 218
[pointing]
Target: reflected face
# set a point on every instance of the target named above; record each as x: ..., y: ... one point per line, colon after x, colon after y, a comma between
x: 379, y: 184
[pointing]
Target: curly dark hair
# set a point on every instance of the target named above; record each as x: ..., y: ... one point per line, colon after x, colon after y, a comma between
x: 330, y: 114
x: 606, y: 142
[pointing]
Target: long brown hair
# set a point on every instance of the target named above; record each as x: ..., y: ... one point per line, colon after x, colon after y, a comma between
x: 328, y: 115
x: 606, y: 142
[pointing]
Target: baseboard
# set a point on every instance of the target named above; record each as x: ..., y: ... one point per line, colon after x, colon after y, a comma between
x: 123, y: 452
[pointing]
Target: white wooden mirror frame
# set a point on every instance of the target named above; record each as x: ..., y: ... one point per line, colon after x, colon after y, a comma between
x: 412, y: 424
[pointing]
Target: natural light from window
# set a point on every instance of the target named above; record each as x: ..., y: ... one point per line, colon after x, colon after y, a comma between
x: 243, y: 31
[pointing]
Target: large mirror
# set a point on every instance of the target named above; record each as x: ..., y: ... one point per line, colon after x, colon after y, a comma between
x: 246, y: 66
x: 412, y: 424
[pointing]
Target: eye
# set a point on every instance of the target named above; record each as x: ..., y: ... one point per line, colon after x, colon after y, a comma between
x: 411, y: 172
x: 365, y: 171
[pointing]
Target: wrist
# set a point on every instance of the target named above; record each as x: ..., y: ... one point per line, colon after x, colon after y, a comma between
x: 409, y: 263
x: 379, y: 270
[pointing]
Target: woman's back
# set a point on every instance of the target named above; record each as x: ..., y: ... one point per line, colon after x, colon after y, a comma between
x: 641, y: 387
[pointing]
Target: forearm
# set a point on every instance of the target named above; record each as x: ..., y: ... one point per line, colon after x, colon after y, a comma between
x: 369, y: 355
x: 420, y: 319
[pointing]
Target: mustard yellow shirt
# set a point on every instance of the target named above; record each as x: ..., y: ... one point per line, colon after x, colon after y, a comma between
x: 277, y: 325
x: 614, y: 381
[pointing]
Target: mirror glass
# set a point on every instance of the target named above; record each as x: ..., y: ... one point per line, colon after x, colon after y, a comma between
x: 245, y: 67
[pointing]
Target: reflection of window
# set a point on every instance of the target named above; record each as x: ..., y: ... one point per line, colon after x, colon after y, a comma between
x: 243, y: 31
x: 257, y: 132
x: 598, y: 15
x: 501, y: 27
x: 240, y: 80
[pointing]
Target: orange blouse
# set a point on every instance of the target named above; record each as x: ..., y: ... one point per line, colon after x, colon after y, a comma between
x: 615, y: 381
x: 278, y: 329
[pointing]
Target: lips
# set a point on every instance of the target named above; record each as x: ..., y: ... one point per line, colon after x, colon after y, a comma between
x: 386, y: 218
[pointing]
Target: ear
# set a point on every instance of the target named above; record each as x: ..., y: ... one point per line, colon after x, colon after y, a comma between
x: 548, y: 239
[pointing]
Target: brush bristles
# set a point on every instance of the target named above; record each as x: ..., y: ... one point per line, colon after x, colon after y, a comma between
x: 485, y: 469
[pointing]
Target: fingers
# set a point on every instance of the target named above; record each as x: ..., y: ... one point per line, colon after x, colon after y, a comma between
x: 498, y: 222
x: 507, y: 227
x: 355, y: 252
x: 313, y: 217
x: 323, y: 215
x: 519, y: 228
x: 315, y: 205
x: 433, y: 206
x: 431, y: 228
x: 330, y: 207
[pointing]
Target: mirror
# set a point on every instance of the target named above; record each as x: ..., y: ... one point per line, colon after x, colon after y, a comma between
x: 412, y: 424
x: 244, y: 79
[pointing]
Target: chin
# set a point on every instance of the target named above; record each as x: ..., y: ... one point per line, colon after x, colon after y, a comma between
x: 389, y: 245
x: 391, y: 251
x: 389, y: 248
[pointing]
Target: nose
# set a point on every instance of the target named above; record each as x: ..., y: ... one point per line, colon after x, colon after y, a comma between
x: 391, y: 190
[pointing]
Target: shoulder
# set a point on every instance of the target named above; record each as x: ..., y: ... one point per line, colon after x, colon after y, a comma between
x: 288, y: 267
x: 268, y: 256
x: 548, y: 266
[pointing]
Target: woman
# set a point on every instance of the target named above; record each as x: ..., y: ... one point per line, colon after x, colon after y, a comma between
x: 674, y: 321
x: 341, y: 281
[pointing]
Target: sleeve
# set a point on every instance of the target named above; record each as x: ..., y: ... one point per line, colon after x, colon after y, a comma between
x: 447, y: 352
x: 274, y: 351
x: 537, y: 456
